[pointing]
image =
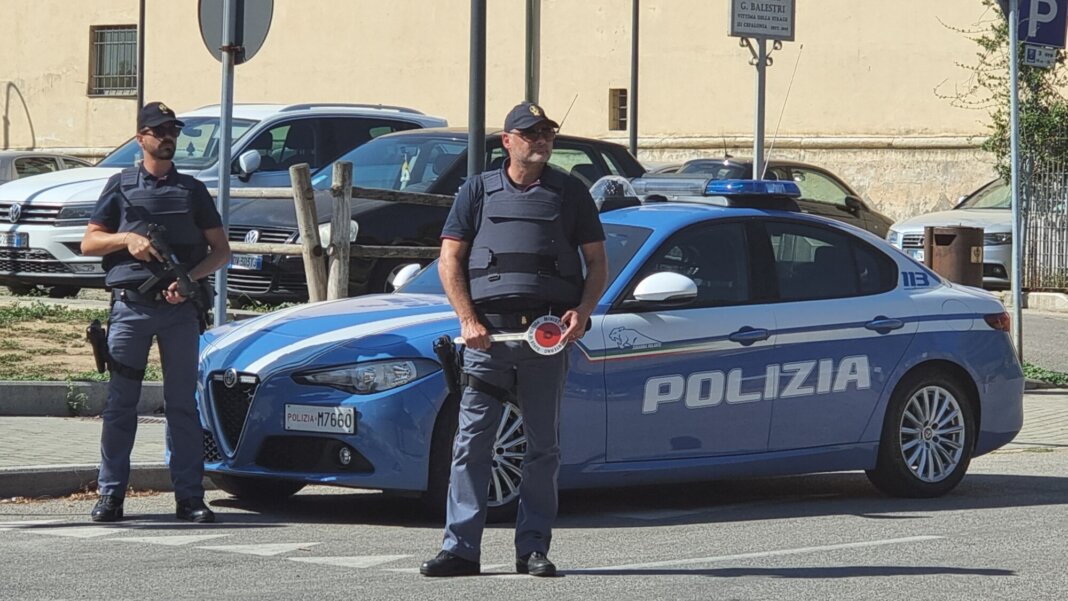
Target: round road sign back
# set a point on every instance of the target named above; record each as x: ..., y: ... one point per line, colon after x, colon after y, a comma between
x: 252, y: 22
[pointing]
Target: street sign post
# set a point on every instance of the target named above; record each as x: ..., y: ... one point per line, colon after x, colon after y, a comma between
x: 233, y: 31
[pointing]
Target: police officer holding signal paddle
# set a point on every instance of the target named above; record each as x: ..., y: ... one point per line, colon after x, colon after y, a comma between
x: 509, y: 255
x: 161, y: 237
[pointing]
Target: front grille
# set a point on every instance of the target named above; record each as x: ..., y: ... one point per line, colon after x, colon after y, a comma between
x: 31, y: 213
x: 259, y: 282
x: 30, y: 260
x: 309, y: 454
x: 267, y: 235
x: 212, y: 454
x: 231, y: 407
x: 912, y: 241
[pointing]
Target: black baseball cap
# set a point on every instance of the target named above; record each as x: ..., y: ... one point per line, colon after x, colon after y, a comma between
x: 526, y: 115
x: 156, y: 113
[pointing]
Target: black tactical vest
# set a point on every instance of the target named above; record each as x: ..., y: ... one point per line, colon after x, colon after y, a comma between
x: 170, y: 206
x: 521, y: 249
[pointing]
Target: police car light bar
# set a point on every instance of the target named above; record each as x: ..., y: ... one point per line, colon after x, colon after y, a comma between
x: 669, y: 185
x: 752, y: 187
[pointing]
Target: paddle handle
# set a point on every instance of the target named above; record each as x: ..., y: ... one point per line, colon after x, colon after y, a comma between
x: 509, y: 337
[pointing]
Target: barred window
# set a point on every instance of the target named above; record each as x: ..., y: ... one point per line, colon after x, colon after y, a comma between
x: 113, y: 60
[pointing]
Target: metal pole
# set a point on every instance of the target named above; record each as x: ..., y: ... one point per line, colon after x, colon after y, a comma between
x: 476, y: 102
x: 758, y: 136
x: 633, y: 120
x: 141, y: 56
x: 1014, y: 137
x: 533, y: 50
x: 226, y: 107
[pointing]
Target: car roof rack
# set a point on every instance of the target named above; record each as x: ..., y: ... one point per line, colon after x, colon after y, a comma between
x: 387, y: 107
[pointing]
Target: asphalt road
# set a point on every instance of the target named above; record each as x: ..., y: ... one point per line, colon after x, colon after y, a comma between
x: 1000, y: 535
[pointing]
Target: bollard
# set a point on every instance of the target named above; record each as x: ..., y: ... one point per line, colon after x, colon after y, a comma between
x: 955, y: 252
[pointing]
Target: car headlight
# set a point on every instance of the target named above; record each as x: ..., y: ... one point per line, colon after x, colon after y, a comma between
x: 997, y: 239
x: 894, y: 238
x: 76, y: 214
x: 369, y: 377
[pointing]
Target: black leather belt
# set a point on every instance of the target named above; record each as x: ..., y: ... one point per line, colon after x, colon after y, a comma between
x: 130, y: 295
x: 515, y: 320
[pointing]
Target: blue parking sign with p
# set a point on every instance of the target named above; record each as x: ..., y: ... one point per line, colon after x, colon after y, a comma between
x: 1043, y: 22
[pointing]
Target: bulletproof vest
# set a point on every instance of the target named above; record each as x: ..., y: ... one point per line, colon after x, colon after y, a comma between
x: 521, y: 249
x: 170, y: 206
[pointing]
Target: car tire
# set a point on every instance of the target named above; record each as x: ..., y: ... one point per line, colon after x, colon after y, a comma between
x: 503, y: 503
x: 927, y: 437
x: 256, y: 490
x: 63, y: 291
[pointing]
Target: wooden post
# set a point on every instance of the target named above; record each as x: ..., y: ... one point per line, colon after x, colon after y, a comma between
x: 308, y: 226
x: 337, y: 285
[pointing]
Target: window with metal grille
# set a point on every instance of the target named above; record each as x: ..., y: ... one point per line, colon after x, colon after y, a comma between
x: 617, y: 108
x: 113, y: 60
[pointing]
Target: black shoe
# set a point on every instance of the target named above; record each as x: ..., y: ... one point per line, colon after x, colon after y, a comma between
x: 447, y: 564
x: 107, y: 509
x: 194, y: 510
x: 535, y: 564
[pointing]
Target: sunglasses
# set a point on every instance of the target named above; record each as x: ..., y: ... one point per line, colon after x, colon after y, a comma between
x: 162, y: 131
x: 531, y: 135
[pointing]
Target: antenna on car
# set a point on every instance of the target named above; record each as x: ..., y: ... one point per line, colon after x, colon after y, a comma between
x: 783, y: 110
x: 726, y: 155
x: 568, y: 111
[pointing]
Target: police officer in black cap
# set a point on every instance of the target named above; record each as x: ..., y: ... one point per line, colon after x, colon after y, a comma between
x: 510, y: 254
x: 154, y: 192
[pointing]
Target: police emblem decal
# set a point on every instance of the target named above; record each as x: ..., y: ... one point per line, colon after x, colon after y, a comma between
x: 14, y: 213
x: 230, y: 378
x: 252, y: 237
x: 163, y: 108
x: 535, y: 110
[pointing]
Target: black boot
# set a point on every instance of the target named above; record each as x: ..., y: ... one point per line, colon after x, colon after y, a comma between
x: 194, y: 510
x: 535, y: 564
x: 447, y: 564
x: 107, y: 509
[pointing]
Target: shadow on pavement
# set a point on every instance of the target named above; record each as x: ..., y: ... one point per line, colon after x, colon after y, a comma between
x: 814, y: 573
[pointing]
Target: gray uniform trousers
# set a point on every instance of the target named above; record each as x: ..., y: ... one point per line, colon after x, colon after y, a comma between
x: 537, y: 381
x: 131, y: 327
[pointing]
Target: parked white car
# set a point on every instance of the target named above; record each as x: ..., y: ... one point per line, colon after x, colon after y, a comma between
x: 42, y: 219
x: 15, y: 164
x: 989, y: 207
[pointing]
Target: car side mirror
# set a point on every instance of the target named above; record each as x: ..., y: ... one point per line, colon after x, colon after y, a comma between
x: 248, y: 163
x: 666, y: 287
x: 405, y: 274
x: 853, y: 203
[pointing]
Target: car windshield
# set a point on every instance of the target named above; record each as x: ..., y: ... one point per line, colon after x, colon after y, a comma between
x: 198, y: 146
x: 995, y: 195
x: 405, y: 162
x: 621, y: 243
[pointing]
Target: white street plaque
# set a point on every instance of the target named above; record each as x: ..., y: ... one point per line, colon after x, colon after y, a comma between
x: 770, y: 19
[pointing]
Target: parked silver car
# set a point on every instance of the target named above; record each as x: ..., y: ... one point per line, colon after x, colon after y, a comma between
x: 989, y: 207
x: 15, y: 164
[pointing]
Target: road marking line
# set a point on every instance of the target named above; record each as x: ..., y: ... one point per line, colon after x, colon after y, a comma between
x: 80, y: 531
x: 365, y: 561
x: 170, y: 541
x: 266, y: 550
x: 761, y: 554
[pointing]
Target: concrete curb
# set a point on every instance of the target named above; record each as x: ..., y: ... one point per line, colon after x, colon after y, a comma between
x: 63, y: 399
x: 61, y: 480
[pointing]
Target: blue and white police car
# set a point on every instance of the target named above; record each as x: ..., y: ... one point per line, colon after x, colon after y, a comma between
x: 737, y: 337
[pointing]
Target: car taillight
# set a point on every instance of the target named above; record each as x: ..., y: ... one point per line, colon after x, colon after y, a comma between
x: 998, y: 321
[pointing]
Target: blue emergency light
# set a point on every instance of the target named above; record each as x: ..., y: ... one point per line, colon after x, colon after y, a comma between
x: 751, y: 187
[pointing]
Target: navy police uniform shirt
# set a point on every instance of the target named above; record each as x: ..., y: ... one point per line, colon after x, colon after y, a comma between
x: 579, y: 211
x: 108, y: 211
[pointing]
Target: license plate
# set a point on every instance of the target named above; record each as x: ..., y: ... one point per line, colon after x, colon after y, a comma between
x: 915, y: 253
x: 308, y: 418
x: 246, y: 261
x: 14, y: 239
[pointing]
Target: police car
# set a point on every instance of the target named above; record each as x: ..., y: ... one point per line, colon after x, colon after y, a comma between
x: 737, y: 337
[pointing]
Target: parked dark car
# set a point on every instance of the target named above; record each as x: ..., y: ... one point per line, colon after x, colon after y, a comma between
x: 425, y: 160
x: 822, y: 192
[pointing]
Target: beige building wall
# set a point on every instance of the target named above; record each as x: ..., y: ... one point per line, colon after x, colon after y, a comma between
x: 858, y: 90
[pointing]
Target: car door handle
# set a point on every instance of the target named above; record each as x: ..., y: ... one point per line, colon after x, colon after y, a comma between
x: 884, y: 325
x: 748, y: 335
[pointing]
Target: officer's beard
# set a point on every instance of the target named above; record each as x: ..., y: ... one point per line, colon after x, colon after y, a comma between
x: 163, y: 152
